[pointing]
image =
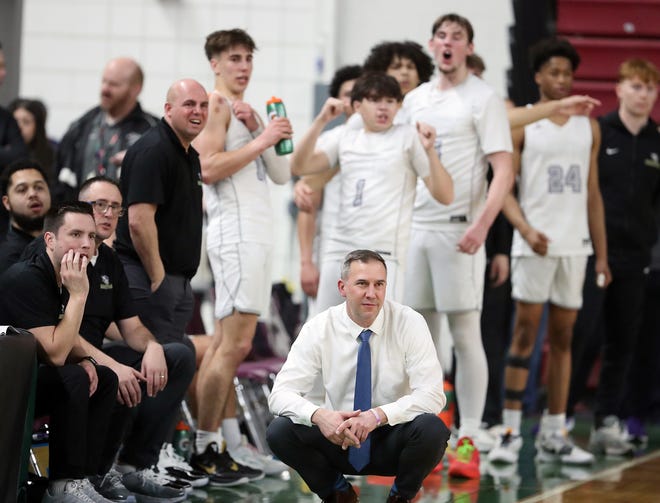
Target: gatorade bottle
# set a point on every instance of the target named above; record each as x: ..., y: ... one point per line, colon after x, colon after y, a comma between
x: 275, y: 108
x: 182, y: 438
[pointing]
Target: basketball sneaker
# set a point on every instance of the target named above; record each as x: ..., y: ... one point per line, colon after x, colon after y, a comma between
x: 248, y: 455
x: 610, y: 439
x: 222, y: 469
x: 466, y: 460
x: 557, y: 446
x: 111, y: 487
x: 171, y: 463
x: 507, y: 448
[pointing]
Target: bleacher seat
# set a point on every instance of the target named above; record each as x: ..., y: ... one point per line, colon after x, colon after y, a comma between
x: 253, y: 383
x: 613, y: 18
x: 601, y: 57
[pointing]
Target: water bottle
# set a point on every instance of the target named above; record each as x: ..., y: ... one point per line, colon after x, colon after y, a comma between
x: 275, y: 108
x: 182, y: 440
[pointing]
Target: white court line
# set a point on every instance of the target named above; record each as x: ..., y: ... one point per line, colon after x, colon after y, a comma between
x: 598, y: 475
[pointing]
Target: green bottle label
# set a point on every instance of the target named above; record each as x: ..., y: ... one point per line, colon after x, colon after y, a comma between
x: 276, y: 109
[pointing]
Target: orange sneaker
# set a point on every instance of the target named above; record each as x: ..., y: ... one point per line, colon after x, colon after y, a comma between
x: 466, y: 462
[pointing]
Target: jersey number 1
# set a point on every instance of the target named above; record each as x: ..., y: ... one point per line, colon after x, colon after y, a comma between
x: 359, y: 189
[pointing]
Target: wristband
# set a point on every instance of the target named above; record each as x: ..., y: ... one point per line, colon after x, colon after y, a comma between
x: 377, y: 417
x: 91, y: 360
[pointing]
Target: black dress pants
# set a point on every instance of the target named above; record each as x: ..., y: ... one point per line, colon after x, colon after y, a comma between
x: 408, y: 451
x: 618, y: 310
x: 78, y: 422
x: 144, y: 428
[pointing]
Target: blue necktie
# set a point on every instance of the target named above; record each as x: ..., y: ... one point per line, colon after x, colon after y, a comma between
x: 362, y: 398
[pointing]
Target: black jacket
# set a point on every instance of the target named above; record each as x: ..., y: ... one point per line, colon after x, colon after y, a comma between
x: 629, y: 175
x: 71, y: 151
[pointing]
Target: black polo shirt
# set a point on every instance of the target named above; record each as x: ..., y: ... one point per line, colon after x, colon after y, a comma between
x: 109, y: 298
x: 31, y: 296
x: 11, y: 248
x: 157, y: 170
x: 629, y: 178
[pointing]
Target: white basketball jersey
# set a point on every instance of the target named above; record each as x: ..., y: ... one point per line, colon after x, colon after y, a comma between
x: 326, y: 217
x: 378, y: 174
x: 552, y: 189
x: 238, y: 207
x: 471, y: 122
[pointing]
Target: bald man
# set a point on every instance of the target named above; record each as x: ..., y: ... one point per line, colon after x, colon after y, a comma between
x: 159, y: 241
x: 96, y: 143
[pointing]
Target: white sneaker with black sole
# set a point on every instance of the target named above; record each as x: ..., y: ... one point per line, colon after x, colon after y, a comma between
x: 483, y: 440
x: 111, y: 487
x: 173, y: 464
x: 150, y: 487
x: 558, y: 447
x: 610, y: 439
x: 248, y: 455
x: 507, y: 449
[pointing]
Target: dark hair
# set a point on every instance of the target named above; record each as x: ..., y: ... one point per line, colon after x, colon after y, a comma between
x: 55, y: 216
x: 383, y: 54
x: 40, y: 147
x: 461, y: 21
x: 100, y: 178
x: 350, y: 72
x: 19, y: 165
x: 221, y: 40
x: 541, y: 52
x: 475, y: 62
x: 363, y: 256
x: 375, y: 86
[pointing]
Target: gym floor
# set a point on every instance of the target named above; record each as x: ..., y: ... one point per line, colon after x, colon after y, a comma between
x: 608, y: 480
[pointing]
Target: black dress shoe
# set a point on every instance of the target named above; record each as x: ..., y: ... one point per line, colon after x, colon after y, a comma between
x: 348, y: 496
x: 397, y: 498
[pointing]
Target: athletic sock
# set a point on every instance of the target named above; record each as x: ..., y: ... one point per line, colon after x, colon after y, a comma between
x: 512, y: 419
x: 232, y: 433
x: 204, y: 438
x: 552, y: 423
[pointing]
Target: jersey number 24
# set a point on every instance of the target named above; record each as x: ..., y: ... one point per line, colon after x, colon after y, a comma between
x: 558, y: 180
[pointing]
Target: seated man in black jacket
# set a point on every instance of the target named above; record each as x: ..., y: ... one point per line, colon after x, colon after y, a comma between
x: 47, y: 295
x: 153, y: 378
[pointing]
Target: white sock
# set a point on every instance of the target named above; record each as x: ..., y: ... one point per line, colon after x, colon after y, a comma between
x: 232, y: 432
x: 512, y: 419
x: 469, y: 428
x: 553, y: 423
x: 204, y: 438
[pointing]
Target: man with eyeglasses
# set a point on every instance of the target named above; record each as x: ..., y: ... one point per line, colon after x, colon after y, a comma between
x: 153, y: 378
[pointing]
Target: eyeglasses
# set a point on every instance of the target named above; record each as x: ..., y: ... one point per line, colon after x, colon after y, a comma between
x: 102, y: 206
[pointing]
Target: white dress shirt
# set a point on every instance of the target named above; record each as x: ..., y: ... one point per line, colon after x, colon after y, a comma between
x: 406, y: 377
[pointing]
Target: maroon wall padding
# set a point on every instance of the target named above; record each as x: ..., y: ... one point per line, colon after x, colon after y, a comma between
x: 615, y: 18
